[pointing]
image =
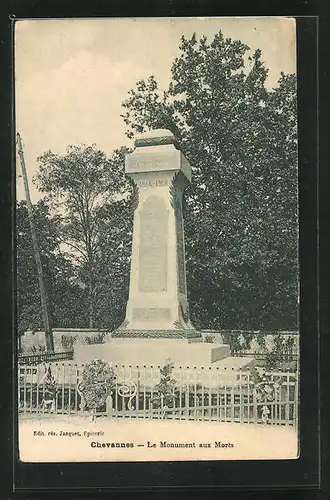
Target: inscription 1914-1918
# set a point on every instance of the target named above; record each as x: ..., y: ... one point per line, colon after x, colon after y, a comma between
x: 153, y: 245
x: 152, y: 183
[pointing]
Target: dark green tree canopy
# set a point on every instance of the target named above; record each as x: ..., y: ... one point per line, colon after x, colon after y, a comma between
x: 241, y: 210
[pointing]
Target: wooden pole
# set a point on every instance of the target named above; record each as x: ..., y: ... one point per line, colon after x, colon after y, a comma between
x: 43, y: 295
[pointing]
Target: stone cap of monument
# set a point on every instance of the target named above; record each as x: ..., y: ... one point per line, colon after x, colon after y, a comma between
x: 155, y: 151
x: 157, y: 137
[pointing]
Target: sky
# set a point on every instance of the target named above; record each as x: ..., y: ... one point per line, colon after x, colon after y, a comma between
x: 72, y: 75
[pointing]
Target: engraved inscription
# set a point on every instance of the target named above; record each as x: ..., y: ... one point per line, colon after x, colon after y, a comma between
x: 153, y: 245
x: 160, y: 182
x: 149, y: 163
x: 151, y: 314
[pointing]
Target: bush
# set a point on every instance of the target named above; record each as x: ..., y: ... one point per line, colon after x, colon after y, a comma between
x: 98, y: 379
x: 68, y: 342
x: 209, y: 339
x: 95, y: 339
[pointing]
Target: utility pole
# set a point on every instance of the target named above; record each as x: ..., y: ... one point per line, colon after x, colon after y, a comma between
x: 43, y: 295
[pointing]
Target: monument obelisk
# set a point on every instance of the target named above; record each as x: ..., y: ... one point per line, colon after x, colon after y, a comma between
x: 157, y: 306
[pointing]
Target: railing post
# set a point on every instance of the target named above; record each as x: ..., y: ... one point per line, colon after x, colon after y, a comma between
x: 186, y: 401
x: 137, y: 397
x: 241, y: 410
x: 109, y: 406
x: 287, y: 399
x: 255, y: 408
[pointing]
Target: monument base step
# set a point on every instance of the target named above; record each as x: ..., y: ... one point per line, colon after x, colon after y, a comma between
x: 234, y: 363
x: 191, y: 335
x: 128, y: 351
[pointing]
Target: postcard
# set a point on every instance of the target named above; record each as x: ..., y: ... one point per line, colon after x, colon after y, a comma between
x: 157, y: 239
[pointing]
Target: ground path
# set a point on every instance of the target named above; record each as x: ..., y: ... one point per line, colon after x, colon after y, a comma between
x: 75, y: 438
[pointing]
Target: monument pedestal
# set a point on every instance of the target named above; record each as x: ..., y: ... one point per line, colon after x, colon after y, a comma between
x: 151, y: 351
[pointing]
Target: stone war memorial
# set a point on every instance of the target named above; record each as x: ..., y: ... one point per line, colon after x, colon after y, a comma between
x: 157, y: 326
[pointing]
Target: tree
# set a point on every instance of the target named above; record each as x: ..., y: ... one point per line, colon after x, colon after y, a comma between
x: 87, y: 192
x: 112, y: 263
x: 240, y: 211
x: 62, y: 293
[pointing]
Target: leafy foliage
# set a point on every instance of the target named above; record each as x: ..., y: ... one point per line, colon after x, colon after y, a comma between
x: 65, y: 299
x: 89, y: 194
x: 266, y: 388
x: 95, y: 339
x: 50, y: 384
x: 282, y: 348
x: 238, y: 343
x: 68, y: 342
x: 165, y: 388
x: 111, y: 265
x: 240, y: 212
x: 97, y: 382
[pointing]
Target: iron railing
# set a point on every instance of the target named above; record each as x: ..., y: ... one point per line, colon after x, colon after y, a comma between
x: 29, y: 359
x: 196, y: 393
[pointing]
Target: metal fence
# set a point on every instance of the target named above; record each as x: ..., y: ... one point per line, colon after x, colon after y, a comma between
x: 188, y: 393
x: 29, y: 359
